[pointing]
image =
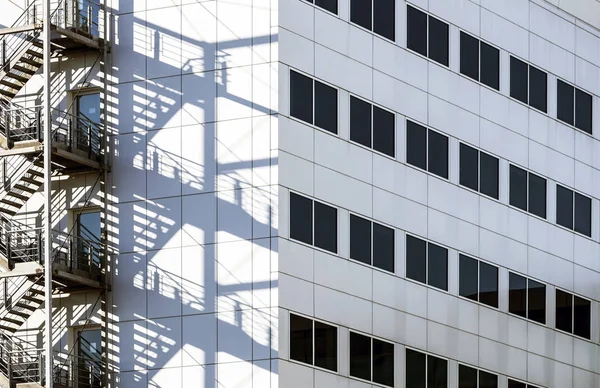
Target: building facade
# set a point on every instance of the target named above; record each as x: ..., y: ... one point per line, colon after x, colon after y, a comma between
x: 305, y: 193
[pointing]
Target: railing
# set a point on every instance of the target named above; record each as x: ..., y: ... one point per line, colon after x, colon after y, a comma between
x: 73, y: 132
x: 77, y: 253
x: 15, y: 43
x: 81, y: 371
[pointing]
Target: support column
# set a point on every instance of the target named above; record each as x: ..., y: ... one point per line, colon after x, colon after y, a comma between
x: 47, y: 199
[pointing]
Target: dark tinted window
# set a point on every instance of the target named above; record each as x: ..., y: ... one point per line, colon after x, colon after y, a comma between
x: 384, y: 18
x: 519, y: 79
x: 361, y: 12
x: 564, y: 207
x: 301, y: 218
x: 517, y: 295
x: 437, y: 372
x: 326, y: 109
x: 536, y: 301
x: 416, y: 29
x: 329, y: 5
x: 565, y: 102
x: 518, y: 187
x: 301, y: 339
x: 538, y: 89
x: 564, y: 311
x: 325, y: 346
x: 490, y: 66
x: 416, y: 259
x: 360, y: 239
x: 416, y: 145
x: 360, y: 356
x: 438, y: 41
x: 516, y: 384
x: 437, y: 266
x: 383, y: 247
x: 468, y: 283
x: 489, y: 182
x: 583, y: 111
x: 360, y: 121
x: 469, y: 56
x: 469, y: 167
x: 325, y: 227
x: 301, y: 97
x: 415, y: 369
x: 488, y: 284
x: 583, y: 214
x: 537, y: 195
x: 437, y: 154
x: 467, y: 377
x: 487, y: 380
x: 581, y: 317
x: 384, y: 131
x: 383, y: 362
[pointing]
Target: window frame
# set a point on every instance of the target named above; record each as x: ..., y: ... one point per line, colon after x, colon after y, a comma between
x: 372, y: 30
x: 427, y: 129
x: 312, y: 124
x: 313, y: 320
x: 479, y: 261
x: 572, y: 332
x: 371, y: 222
x: 527, y: 278
x: 573, y: 196
x: 575, y: 88
x: 529, y: 65
x: 427, y: 354
x: 427, y: 242
x: 479, y: 152
x: 528, y: 172
x: 289, y: 222
x: 427, y: 38
x: 373, y: 105
x: 479, y: 60
x: 313, y: 3
x: 371, y: 337
x: 478, y: 370
x: 527, y: 385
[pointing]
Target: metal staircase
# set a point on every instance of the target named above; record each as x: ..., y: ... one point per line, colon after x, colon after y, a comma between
x: 77, y: 261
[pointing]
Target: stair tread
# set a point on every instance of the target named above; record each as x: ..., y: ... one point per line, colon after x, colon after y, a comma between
x: 32, y: 298
x: 31, y: 62
x: 20, y: 313
x: 10, y: 203
x: 8, y: 328
x: 11, y: 85
x: 18, y: 196
x: 7, y: 211
x: 32, y: 180
x: 37, y: 290
x: 25, y: 188
x: 25, y: 70
x: 35, y: 172
x: 36, y: 54
x: 17, y: 77
x: 25, y: 306
x: 7, y: 93
x: 14, y: 321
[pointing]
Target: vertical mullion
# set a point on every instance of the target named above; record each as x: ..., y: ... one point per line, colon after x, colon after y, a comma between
x: 427, y: 146
x: 312, y: 242
x: 427, y: 35
x: 479, y: 168
x: 427, y: 263
x: 372, y: 118
x: 573, y: 200
x: 313, y: 101
x: 372, y: 245
x: 372, y: 22
x: 479, y: 63
x: 426, y: 370
x: 528, y: 84
x: 574, y: 122
x: 371, y: 360
x: 313, y: 342
x: 573, y: 314
x: 527, y: 298
x: 478, y: 279
x: 527, y: 176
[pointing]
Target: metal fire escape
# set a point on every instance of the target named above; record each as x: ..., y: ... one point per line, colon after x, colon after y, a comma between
x: 77, y: 262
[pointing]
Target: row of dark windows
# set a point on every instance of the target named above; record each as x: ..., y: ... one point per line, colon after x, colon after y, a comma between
x: 316, y: 343
x: 429, y: 36
x: 315, y: 223
x: 374, y: 127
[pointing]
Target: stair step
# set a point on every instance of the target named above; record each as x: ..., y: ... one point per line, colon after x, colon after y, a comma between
x: 14, y: 321
x: 7, y: 211
x: 22, y: 197
x: 11, y: 85
x: 25, y: 188
x: 36, y: 172
x: 39, y: 291
x: 31, y: 62
x: 32, y: 299
x: 38, y: 43
x: 33, y: 181
x: 23, y: 315
x: 17, y: 77
x: 25, y: 70
x: 8, y: 328
x: 25, y: 306
x: 36, y: 54
x: 7, y: 93
x: 10, y: 203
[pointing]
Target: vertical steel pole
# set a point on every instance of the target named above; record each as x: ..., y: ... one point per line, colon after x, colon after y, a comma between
x: 47, y: 199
